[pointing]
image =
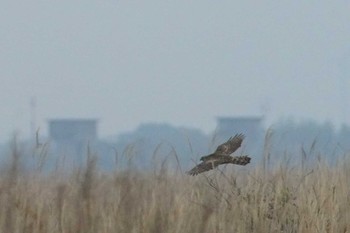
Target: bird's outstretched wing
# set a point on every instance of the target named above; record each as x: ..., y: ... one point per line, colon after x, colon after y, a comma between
x: 216, y: 161
x: 232, y: 144
x: 202, y: 167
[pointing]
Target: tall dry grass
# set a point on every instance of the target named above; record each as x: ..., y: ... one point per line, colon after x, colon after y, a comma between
x: 230, y: 199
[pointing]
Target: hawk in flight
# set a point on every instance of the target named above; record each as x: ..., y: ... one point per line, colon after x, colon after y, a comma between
x: 222, y: 156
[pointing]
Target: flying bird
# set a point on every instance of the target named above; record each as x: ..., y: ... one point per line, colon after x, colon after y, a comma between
x: 222, y: 155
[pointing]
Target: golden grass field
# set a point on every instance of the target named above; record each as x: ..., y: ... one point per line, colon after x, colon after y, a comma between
x: 229, y: 199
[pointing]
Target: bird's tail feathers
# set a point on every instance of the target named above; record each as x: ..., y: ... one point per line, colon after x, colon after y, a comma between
x: 241, y: 160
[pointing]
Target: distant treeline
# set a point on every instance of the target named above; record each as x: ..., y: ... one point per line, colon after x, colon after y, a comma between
x: 158, y: 144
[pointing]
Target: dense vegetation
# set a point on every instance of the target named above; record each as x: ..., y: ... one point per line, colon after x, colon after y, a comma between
x: 259, y: 198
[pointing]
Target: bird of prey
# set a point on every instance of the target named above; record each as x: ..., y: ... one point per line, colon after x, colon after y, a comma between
x: 222, y: 156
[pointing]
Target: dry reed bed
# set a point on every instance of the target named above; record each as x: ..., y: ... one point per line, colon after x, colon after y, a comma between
x: 234, y: 200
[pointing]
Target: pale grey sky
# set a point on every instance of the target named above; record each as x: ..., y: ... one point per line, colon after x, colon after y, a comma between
x: 181, y: 62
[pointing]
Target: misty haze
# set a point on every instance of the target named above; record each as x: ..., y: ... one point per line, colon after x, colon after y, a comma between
x: 107, y: 104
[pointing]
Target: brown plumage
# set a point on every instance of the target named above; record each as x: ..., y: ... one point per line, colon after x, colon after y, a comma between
x: 227, y: 148
x: 218, y: 160
x: 222, y: 156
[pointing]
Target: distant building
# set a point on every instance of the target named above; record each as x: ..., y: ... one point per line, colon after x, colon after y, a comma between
x: 73, y: 130
x: 71, y: 137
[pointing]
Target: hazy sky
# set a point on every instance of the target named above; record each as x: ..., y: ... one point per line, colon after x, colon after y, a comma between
x: 181, y: 62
